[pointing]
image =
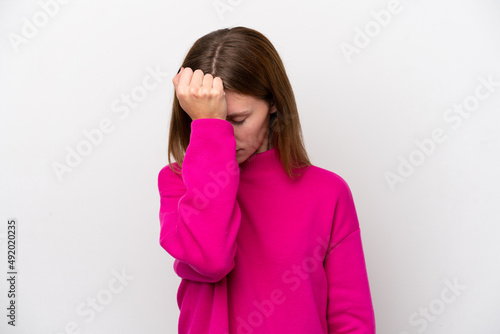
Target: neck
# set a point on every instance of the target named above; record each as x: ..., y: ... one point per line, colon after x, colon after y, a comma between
x: 259, y: 164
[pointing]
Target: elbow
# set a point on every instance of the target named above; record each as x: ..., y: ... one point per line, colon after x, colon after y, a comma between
x: 220, y: 270
x: 210, y: 266
x: 206, y: 272
x: 186, y: 271
x: 214, y: 269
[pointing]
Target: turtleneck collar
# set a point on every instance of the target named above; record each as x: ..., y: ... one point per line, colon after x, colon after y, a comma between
x: 262, y: 163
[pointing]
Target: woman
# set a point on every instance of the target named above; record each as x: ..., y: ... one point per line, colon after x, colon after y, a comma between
x: 264, y: 241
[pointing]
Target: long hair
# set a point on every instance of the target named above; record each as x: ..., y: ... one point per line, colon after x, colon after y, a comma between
x: 248, y: 64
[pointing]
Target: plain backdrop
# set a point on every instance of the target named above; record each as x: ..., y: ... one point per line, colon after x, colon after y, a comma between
x: 399, y: 98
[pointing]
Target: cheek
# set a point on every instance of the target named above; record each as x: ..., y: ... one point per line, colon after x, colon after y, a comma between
x: 241, y: 134
x: 259, y: 134
x: 243, y: 130
x: 251, y: 131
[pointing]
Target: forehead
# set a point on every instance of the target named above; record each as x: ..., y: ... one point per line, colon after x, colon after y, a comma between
x: 240, y: 104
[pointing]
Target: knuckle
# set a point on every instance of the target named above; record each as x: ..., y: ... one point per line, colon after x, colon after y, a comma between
x: 193, y: 91
x: 203, y: 93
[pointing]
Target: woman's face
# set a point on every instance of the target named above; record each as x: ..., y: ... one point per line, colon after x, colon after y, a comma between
x: 250, y: 119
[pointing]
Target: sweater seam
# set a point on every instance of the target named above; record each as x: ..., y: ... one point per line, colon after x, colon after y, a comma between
x: 338, y: 243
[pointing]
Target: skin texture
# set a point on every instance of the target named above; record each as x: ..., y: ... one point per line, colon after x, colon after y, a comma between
x: 251, y: 135
x: 203, y: 96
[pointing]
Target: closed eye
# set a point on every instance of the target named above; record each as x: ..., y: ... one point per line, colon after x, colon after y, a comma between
x: 239, y: 123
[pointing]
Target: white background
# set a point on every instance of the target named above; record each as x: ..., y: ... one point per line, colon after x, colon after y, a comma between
x: 361, y: 114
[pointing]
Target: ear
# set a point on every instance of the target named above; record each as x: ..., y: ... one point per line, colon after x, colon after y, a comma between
x: 273, y: 109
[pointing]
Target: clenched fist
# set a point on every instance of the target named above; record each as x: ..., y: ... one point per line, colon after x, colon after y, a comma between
x: 201, y: 96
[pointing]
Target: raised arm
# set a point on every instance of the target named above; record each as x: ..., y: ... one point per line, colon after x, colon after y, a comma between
x: 199, y: 214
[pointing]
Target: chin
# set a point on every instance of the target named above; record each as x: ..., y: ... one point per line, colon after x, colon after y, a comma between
x: 240, y: 160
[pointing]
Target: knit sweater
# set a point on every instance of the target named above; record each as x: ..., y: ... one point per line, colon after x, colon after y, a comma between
x: 257, y: 251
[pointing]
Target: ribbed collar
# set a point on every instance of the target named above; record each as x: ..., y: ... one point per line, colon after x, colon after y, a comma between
x: 263, y: 163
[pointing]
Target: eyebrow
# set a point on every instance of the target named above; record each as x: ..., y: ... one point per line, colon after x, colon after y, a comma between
x: 236, y: 114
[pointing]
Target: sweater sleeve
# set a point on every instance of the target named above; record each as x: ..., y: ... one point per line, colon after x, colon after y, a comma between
x: 199, y: 215
x: 349, y: 308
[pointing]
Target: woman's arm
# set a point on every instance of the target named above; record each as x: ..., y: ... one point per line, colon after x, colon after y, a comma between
x: 349, y: 308
x: 199, y: 215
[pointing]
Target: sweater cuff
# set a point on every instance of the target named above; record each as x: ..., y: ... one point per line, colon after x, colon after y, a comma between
x: 210, y: 122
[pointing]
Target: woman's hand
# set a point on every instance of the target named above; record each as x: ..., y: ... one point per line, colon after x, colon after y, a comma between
x: 201, y: 96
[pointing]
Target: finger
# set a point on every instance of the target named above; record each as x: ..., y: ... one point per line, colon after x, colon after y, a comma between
x: 218, y: 84
x: 197, y: 79
x: 175, y: 80
x: 185, y: 76
x: 207, y: 81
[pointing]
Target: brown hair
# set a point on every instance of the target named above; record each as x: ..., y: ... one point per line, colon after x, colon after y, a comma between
x: 248, y: 64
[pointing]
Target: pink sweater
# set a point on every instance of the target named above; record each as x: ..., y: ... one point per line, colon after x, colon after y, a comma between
x: 258, y: 252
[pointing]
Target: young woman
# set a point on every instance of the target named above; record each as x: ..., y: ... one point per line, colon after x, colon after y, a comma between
x: 264, y: 241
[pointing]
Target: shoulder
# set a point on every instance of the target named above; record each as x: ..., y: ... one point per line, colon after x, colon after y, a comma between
x: 167, y: 172
x: 334, y: 196
x: 328, y: 180
x: 167, y: 176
